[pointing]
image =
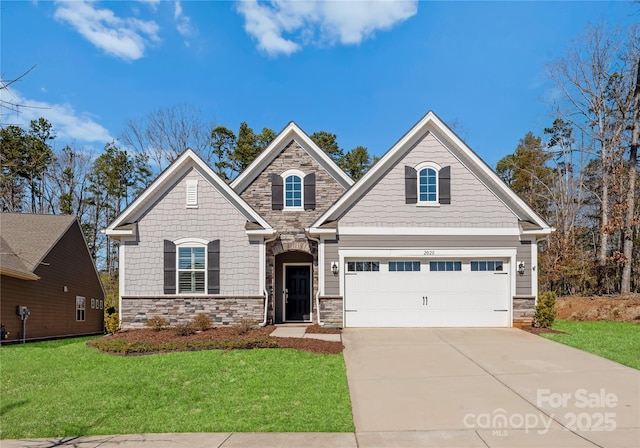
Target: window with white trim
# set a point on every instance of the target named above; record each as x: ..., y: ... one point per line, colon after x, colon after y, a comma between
x: 293, y: 190
x: 80, y: 308
x: 486, y: 265
x: 192, y: 269
x: 445, y: 266
x: 363, y: 266
x: 428, y: 183
x: 404, y: 266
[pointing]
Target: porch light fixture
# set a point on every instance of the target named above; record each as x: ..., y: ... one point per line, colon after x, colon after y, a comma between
x: 335, y: 268
x: 521, y: 268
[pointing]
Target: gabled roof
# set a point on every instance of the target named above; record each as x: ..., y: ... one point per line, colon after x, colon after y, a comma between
x: 291, y: 132
x: 124, y: 223
x: 430, y: 123
x: 25, y: 239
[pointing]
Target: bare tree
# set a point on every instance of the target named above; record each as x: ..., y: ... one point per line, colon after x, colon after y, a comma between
x: 7, y: 102
x: 598, y: 104
x: 166, y: 132
x: 630, y: 218
x: 68, y: 182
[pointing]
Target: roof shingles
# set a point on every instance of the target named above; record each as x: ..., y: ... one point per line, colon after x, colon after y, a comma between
x: 25, y: 239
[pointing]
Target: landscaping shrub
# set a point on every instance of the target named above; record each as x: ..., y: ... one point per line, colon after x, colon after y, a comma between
x: 245, y: 325
x: 545, y: 310
x: 112, y: 323
x: 185, y: 329
x: 202, y: 322
x: 157, y: 323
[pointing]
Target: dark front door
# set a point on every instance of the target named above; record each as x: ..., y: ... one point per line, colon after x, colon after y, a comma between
x: 297, y: 292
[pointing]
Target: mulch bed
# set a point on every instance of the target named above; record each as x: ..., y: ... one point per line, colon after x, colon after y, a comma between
x: 536, y: 330
x: 311, y: 345
x: 170, y: 336
x: 317, y: 329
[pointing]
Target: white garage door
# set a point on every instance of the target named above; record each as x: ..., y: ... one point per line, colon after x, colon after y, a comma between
x: 427, y: 293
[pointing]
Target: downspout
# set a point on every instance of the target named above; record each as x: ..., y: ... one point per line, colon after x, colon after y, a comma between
x: 317, y: 240
x: 264, y: 290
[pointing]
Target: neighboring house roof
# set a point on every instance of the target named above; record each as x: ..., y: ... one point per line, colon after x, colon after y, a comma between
x: 124, y: 223
x: 291, y: 132
x: 25, y: 239
x: 430, y: 123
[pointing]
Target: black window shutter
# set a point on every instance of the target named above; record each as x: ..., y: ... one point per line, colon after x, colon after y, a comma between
x: 444, y: 185
x: 410, y: 185
x: 169, y: 267
x: 276, y: 192
x: 310, y: 191
x: 213, y: 267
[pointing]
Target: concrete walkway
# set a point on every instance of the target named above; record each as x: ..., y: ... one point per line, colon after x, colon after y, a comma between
x: 486, y: 387
x: 299, y: 331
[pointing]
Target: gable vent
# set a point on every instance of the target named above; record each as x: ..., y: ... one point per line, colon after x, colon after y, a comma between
x: 192, y: 193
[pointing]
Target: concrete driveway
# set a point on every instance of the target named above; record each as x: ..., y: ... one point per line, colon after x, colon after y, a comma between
x: 486, y: 387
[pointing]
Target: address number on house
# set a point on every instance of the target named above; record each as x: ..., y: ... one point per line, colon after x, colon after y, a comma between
x: 429, y: 253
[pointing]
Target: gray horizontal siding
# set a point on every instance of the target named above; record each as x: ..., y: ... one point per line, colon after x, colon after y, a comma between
x: 427, y: 241
x: 523, y: 282
x: 331, y: 282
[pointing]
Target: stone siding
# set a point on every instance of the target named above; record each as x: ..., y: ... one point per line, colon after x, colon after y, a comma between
x: 331, y: 310
x: 291, y: 224
x: 181, y: 310
x: 524, y: 307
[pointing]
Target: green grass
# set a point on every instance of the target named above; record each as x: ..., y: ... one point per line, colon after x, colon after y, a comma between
x: 64, y: 388
x: 618, y: 341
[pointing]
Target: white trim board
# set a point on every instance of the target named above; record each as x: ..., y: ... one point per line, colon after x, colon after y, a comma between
x: 284, y: 288
x: 458, y: 231
x: 420, y: 253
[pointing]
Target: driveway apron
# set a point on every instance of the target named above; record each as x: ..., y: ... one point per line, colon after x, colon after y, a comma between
x: 486, y: 387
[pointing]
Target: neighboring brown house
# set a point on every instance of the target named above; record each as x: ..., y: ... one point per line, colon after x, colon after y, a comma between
x: 46, y: 266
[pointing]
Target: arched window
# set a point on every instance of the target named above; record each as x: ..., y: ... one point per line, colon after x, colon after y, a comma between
x: 428, y: 183
x: 293, y: 188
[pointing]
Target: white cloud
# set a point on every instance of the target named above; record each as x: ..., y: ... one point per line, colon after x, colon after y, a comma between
x: 125, y: 38
x: 152, y: 3
x: 319, y: 21
x: 67, y: 123
x: 183, y: 22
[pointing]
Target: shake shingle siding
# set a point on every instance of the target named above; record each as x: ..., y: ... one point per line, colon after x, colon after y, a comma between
x: 214, y: 219
x: 472, y: 203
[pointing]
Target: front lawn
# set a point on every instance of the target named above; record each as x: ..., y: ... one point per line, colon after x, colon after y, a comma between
x: 64, y: 388
x: 618, y: 341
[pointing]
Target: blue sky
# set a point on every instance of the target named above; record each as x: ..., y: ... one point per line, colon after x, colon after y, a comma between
x: 366, y: 71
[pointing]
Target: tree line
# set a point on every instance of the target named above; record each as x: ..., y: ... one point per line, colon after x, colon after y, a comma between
x: 37, y: 177
x: 581, y: 173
